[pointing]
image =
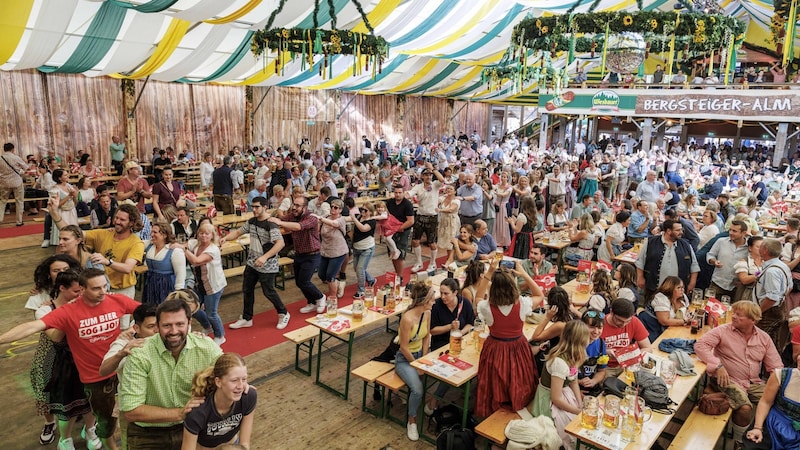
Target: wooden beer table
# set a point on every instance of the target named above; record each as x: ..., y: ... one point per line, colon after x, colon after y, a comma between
x: 343, y: 328
x: 604, y: 438
x: 561, y: 247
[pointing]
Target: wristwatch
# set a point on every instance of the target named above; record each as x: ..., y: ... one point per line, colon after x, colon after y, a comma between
x: 110, y: 262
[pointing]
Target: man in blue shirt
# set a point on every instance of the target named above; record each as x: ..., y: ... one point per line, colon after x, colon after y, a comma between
x: 641, y: 221
x: 471, y: 197
x: 486, y: 244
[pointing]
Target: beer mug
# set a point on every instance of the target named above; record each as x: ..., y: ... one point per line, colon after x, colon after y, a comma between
x: 630, y: 373
x: 369, y: 297
x: 332, y: 307
x: 611, y: 411
x: 477, y: 329
x: 358, y: 310
x: 668, y: 372
x: 643, y: 414
x: 628, y: 427
x: 482, y: 339
x: 589, y: 413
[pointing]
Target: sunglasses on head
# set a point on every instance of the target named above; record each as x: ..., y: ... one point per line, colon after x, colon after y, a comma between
x: 592, y: 314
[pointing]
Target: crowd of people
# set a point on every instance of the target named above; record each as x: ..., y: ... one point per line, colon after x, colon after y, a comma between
x: 693, y: 211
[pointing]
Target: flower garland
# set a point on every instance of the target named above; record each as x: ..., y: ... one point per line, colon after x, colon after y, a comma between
x: 337, y: 42
x: 700, y: 32
x: 310, y: 42
x: 778, y: 21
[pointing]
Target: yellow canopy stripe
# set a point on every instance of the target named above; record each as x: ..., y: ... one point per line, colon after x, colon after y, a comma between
x: 169, y: 42
x: 464, y: 79
x: 459, y: 33
x: 13, y: 18
x: 375, y: 17
x: 487, y: 61
x: 238, y: 14
x: 421, y: 73
x: 627, y: 4
x: 378, y: 15
x: 263, y: 74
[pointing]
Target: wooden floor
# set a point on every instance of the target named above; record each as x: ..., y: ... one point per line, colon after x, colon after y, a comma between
x: 292, y: 413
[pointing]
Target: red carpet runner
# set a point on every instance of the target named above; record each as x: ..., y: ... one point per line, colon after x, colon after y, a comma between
x: 263, y: 334
x: 15, y: 231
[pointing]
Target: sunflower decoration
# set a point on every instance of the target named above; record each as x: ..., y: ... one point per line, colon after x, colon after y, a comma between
x: 285, y: 33
x: 545, y: 29
x: 653, y: 24
x: 538, y: 23
x: 700, y: 32
x: 627, y: 21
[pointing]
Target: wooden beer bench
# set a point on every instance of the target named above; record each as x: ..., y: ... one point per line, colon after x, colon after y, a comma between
x: 303, y: 338
x: 369, y: 373
x: 701, y: 430
x: 493, y: 428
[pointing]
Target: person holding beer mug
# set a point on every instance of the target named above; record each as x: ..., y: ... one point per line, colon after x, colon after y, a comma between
x: 558, y: 394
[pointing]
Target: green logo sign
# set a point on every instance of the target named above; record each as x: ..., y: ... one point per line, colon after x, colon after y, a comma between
x: 605, y: 100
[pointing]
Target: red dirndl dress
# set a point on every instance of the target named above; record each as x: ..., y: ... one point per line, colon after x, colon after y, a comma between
x: 507, y: 376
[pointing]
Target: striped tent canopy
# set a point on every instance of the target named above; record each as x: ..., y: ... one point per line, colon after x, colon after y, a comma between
x: 437, y: 47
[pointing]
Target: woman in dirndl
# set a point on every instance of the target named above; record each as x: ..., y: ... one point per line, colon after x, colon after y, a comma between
x: 507, y: 376
x: 166, y: 268
x: 589, y: 179
x: 524, y: 225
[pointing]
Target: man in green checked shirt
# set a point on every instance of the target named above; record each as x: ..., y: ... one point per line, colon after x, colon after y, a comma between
x: 155, y: 388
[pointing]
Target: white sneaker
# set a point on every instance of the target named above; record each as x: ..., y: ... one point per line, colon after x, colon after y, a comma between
x: 413, y: 433
x: 311, y: 307
x: 416, y: 268
x: 220, y: 340
x: 283, y: 320
x: 340, y: 289
x: 45, y: 244
x: 66, y: 444
x: 427, y: 410
x: 90, y: 436
x: 241, y: 323
x: 321, y: 305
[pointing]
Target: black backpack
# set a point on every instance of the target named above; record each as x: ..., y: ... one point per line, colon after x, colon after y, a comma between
x: 455, y: 438
x: 445, y: 417
x: 655, y: 392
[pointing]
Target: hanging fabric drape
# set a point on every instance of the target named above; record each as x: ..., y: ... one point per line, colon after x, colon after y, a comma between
x: 13, y: 18
x: 97, y: 41
x: 198, y: 57
x: 230, y: 63
x: 153, y: 6
x: 169, y: 42
x: 238, y: 14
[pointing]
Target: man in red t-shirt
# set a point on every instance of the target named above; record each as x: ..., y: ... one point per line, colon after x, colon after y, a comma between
x: 90, y: 324
x: 622, y: 329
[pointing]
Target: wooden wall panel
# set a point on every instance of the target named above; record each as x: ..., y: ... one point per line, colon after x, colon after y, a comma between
x: 24, y: 118
x: 218, y: 117
x: 471, y: 116
x: 282, y: 118
x: 164, y: 117
x: 84, y: 113
x: 67, y: 112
